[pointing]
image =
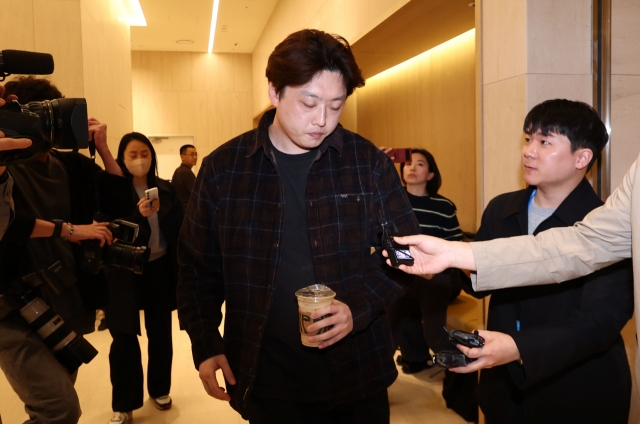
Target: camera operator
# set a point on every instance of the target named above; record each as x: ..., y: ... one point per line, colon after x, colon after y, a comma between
x: 55, y: 203
x: 6, y: 182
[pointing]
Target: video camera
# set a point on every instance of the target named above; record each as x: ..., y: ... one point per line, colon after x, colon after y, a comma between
x: 59, y: 123
x: 69, y: 348
x: 121, y: 253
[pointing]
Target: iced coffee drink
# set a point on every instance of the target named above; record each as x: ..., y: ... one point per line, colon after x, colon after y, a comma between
x: 310, y: 299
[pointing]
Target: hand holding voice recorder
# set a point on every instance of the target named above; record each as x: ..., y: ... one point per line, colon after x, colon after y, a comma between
x: 451, y: 359
x: 399, y: 254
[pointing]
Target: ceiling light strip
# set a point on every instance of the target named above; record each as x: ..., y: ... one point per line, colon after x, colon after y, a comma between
x: 214, y: 19
x: 134, y: 15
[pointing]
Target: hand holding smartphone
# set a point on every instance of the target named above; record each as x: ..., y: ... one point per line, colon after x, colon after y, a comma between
x: 152, y: 194
x: 400, y: 155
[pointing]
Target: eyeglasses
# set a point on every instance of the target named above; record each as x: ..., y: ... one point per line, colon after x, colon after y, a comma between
x: 195, y: 155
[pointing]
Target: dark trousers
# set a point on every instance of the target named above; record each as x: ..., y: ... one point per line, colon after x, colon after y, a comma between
x: 415, y: 334
x: 371, y: 410
x: 125, y: 359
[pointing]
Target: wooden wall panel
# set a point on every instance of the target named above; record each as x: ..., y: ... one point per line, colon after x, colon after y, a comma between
x: 47, y: 26
x: 429, y: 102
x: 200, y: 94
x: 16, y: 27
x: 625, y: 87
x: 351, y: 19
x: 90, y: 48
x: 61, y: 18
x: 106, y: 65
x: 181, y: 75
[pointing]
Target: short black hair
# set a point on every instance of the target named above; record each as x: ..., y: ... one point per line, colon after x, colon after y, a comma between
x: 184, y: 148
x: 575, y: 120
x: 124, y: 141
x: 31, y: 89
x: 434, y: 184
x: 304, y: 54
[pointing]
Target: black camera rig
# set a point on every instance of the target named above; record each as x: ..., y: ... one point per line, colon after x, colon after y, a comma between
x: 59, y: 123
x: 69, y: 348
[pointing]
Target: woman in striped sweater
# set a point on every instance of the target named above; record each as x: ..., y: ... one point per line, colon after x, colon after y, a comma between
x: 417, y: 319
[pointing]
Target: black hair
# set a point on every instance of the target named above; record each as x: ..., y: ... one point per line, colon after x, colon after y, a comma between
x: 434, y: 184
x: 184, y: 148
x: 304, y: 54
x: 153, y: 170
x: 31, y: 89
x: 575, y: 120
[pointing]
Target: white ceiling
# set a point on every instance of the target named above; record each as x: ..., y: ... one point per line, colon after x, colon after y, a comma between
x: 240, y: 24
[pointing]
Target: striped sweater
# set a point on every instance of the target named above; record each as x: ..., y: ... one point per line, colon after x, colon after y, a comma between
x: 437, y: 216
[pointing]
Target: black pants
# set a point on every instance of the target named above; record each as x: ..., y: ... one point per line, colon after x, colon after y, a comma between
x: 125, y: 359
x: 415, y: 335
x: 371, y: 410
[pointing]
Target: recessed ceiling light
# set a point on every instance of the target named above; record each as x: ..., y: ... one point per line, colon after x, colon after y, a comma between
x: 184, y: 41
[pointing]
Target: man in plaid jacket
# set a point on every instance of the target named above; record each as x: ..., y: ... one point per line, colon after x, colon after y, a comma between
x: 297, y: 201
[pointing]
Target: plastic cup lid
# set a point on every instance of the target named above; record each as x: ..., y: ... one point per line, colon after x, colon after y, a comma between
x: 315, y: 293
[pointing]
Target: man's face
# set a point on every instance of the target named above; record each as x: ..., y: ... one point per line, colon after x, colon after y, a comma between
x: 307, y: 114
x: 547, y: 161
x: 190, y: 157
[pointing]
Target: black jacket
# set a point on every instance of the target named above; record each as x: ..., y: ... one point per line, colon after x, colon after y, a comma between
x: 127, y: 295
x: 575, y: 367
x: 231, y: 247
x: 183, y: 180
x: 85, y: 178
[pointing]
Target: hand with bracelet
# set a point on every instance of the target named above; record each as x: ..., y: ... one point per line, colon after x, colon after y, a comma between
x: 71, y: 232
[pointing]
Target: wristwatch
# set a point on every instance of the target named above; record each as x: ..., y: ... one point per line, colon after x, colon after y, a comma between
x: 57, y: 230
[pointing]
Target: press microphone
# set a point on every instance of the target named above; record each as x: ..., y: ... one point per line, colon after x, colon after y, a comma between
x: 23, y: 62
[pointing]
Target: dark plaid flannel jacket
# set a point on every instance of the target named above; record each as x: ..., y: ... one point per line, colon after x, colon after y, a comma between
x: 229, y: 250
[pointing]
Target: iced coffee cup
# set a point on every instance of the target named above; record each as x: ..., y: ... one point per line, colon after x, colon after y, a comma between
x: 310, y: 299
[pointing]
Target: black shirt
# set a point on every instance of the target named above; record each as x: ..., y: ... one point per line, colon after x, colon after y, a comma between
x: 283, y: 358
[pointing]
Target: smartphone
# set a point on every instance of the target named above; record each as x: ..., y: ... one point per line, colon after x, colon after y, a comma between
x: 400, y: 155
x: 151, y: 193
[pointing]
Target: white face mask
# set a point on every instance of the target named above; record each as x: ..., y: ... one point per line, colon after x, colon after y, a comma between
x: 138, y: 167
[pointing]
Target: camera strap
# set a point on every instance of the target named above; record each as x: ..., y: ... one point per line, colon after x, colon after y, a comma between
x: 98, y: 216
x: 56, y: 276
x: 92, y: 150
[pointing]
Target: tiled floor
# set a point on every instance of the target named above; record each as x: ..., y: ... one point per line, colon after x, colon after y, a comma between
x: 414, y: 398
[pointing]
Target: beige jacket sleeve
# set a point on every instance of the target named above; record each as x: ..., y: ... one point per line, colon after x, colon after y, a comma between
x: 561, y: 254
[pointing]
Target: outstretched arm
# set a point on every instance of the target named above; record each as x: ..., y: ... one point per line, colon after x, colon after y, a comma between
x: 433, y: 255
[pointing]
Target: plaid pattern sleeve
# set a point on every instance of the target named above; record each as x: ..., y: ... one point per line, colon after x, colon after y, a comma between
x: 381, y: 285
x: 200, y: 291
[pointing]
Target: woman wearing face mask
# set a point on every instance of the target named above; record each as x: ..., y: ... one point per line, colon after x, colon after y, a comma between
x: 153, y: 291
